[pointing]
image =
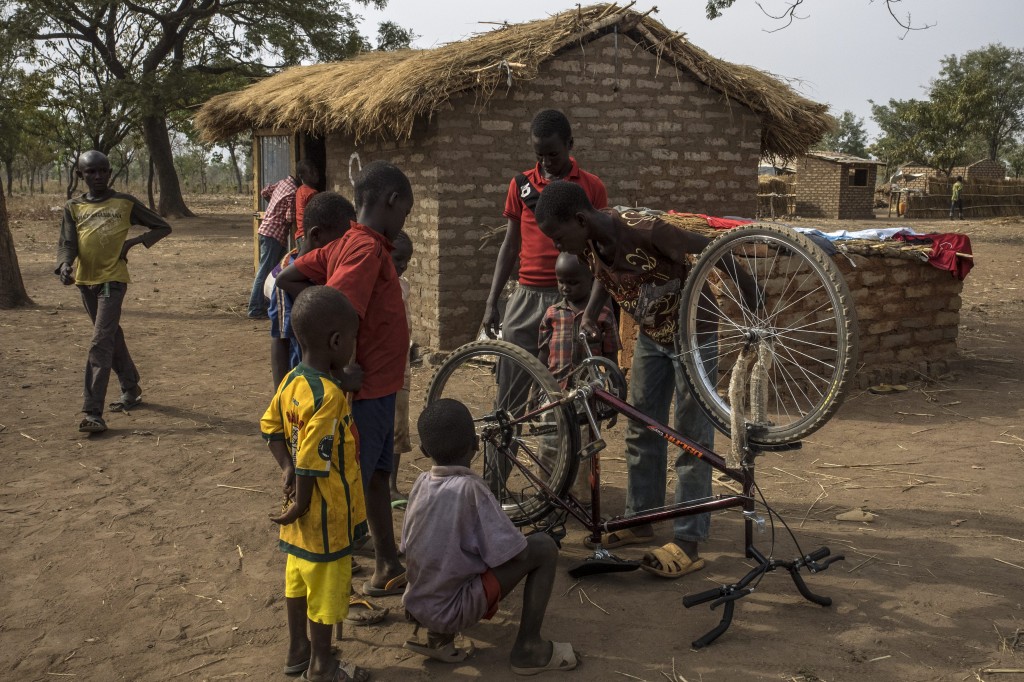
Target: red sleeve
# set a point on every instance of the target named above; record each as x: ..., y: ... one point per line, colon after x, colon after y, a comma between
x: 513, y: 204
x: 598, y: 194
x: 354, y: 272
x: 314, y: 265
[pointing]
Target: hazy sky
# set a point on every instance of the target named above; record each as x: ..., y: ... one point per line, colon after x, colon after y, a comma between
x: 844, y: 53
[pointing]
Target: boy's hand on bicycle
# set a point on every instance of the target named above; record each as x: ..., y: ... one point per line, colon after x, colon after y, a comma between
x: 588, y: 326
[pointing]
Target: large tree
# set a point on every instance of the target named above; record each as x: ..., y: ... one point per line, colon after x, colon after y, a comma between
x: 163, y: 54
x: 920, y: 132
x: 986, y: 88
x: 848, y: 136
x: 12, y: 288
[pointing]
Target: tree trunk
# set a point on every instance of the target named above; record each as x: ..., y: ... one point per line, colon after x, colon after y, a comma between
x: 12, y: 288
x: 234, y: 165
x: 149, y: 184
x: 172, y: 203
x: 10, y: 179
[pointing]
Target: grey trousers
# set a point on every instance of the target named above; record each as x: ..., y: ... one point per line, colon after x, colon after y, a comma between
x: 108, y: 350
x: 520, y: 325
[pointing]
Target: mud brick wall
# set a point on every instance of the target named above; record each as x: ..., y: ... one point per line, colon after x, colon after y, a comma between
x: 416, y: 158
x: 908, y: 315
x: 823, y: 190
x: 656, y: 137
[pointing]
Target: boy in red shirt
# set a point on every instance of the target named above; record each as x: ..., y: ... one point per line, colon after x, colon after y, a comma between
x: 538, y: 288
x: 360, y: 266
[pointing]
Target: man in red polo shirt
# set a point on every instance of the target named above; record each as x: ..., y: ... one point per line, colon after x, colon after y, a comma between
x: 360, y: 266
x: 538, y: 288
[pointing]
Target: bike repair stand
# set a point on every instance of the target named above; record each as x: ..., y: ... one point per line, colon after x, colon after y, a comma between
x: 727, y: 595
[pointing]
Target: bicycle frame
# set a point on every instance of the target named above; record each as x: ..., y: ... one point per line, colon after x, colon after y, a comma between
x: 592, y: 520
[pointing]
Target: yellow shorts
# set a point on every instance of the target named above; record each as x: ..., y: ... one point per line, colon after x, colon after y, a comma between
x: 326, y: 586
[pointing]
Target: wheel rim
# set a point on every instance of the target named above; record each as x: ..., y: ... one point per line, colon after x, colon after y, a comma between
x: 474, y: 375
x: 804, y: 326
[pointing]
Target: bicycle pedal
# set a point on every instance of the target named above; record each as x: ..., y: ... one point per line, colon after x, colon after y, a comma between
x: 592, y: 448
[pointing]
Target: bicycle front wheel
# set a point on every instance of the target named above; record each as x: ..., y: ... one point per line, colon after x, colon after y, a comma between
x: 807, y: 323
x: 507, y: 390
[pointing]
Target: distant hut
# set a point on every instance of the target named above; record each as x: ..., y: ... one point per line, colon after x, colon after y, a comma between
x: 979, y: 172
x: 835, y: 185
x: 662, y: 122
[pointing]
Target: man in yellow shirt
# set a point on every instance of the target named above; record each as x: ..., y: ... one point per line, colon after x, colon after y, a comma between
x: 94, y: 232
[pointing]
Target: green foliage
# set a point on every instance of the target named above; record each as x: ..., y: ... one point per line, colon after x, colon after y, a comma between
x: 1014, y: 158
x: 714, y: 7
x: 114, y: 64
x: 986, y: 88
x: 849, y: 136
x: 975, y: 108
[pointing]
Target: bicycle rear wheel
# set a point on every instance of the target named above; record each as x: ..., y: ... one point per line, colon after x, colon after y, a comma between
x: 807, y: 323
x: 500, y: 382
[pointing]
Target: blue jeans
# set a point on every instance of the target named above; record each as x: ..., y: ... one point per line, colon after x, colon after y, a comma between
x: 655, y: 376
x: 271, y: 253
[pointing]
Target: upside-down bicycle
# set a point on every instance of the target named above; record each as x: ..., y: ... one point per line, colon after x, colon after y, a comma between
x: 796, y: 353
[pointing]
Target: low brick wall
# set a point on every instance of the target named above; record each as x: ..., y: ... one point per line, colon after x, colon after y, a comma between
x: 908, y: 315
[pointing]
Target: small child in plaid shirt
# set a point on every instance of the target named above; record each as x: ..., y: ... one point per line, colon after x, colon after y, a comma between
x: 560, y: 327
x: 559, y: 333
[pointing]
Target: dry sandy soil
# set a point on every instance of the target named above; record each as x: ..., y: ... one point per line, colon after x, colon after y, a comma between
x: 129, y: 556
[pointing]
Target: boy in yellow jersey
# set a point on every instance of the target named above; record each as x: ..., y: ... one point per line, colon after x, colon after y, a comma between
x: 94, y: 232
x: 309, y: 429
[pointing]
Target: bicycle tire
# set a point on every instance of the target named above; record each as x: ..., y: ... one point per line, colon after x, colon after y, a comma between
x: 471, y: 375
x: 807, y: 315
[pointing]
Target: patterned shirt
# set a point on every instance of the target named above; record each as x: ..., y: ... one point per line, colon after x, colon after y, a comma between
x: 93, y: 231
x: 280, y: 214
x: 310, y: 413
x: 646, y: 281
x: 558, y: 333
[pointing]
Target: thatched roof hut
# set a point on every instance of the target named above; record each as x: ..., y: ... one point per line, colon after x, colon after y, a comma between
x: 383, y: 93
x: 660, y: 121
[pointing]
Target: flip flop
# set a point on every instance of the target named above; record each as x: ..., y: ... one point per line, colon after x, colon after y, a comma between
x: 350, y: 671
x: 562, y: 658
x: 92, y: 424
x: 399, y: 504
x: 669, y: 561
x: 395, y: 586
x: 619, y: 538
x: 446, y: 653
x: 126, y: 402
x: 368, y: 612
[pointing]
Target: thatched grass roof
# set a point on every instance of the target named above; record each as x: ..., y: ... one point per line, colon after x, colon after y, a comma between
x: 381, y: 94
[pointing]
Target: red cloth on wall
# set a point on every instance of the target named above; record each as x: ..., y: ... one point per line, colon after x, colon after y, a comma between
x: 945, y: 248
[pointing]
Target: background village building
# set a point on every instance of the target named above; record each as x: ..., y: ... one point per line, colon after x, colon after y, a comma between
x: 834, y: 185
x: 981, y: 171
x: 662, y: 122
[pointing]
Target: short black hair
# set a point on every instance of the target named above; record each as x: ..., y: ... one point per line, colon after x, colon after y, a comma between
x: 328, y: 210
x: 560, y: 201
x: 551, y: 122
x: 90, y: 156
x: 446, y: 431
x: 303, y: 169
x: 318, y: 312
x: 378, y: 180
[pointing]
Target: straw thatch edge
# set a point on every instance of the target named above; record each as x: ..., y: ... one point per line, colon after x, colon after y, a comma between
x: 383, y: 94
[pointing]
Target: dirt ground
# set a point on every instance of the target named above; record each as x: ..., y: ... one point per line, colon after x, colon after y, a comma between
x: 145, y: 553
